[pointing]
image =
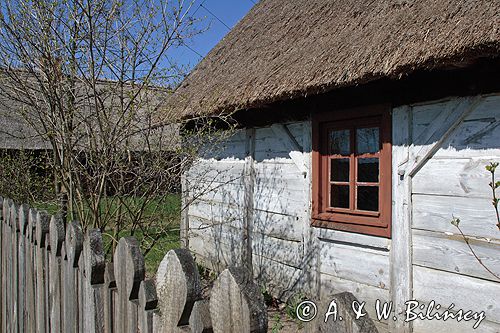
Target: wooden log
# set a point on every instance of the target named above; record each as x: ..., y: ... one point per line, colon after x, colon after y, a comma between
x: 56, y: 233
x: 30, y: 272
x: 94, y: 266
x: 200, y: 320
x: 236, y: 303
x: 73, y: 246
x: 109, y: 297
x: 129, y: 272
x: 178, y: 287
x: 148, y: 302
x: 23, y: 214
x: 42, y: 228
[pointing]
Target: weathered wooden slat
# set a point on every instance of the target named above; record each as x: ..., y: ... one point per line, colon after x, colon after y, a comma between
x: 56, y: 232
x: 109, y: 298
x: 42, y: 228
x: 464, y: 292
x: 236, y: 303
x: 30, y: 273
x: 462, y: 177
x: 73, y: 246
x: 344, y: 261
x: 435, y: 212
x: 148, y: 302
x: 93, y: 281
x: 178, y: 288
x: 6, y: 271
x: 200, y: 320
x: 401, y: 256
x: 129, y: 272
x: 14, y: 227
x: 429, y: 249
x: 23, y: 215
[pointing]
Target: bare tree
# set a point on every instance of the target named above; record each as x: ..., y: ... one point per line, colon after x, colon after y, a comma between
x: 90, y: 77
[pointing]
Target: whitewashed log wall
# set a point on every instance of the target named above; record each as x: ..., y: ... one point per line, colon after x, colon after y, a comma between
x: 440, y: 149
x: 54, y: 278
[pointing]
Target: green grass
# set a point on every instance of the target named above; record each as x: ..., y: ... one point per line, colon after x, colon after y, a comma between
x: 166, y: 210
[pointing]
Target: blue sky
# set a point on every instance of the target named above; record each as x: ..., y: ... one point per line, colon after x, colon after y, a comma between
x: 228, y: 11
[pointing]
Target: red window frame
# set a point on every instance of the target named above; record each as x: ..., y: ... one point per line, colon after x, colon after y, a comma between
x: 352, y: 219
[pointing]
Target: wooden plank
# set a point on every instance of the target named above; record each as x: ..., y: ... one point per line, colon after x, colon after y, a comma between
x: 354, y: 239
x: 344, y: 261
x: 462, y: 177
x: 42, y: 228
x: 14, y: 226
x: 5, y: 270
x: 148, y: 302
x: 429, y: 249
x: 236, y: 303
x: 56, y: 232
x: 287, y: 252
x: 109, y: 298
x: 94, y: 267
x: 179, y: 288
x: 129, y: 272
x: 30, y: 273
x: 400, y: 256
x: 21, y: 253
x: 73, y: 246
x: 435, y: 212
x: 248, y: 207
x: 462, y: 291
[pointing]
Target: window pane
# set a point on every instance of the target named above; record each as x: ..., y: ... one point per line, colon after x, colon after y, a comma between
x: 367, y: 140
x: 339, y: 171
x: 368, y: 170
x: 339, y: 196
x: 339, y: 142
x: 368, y: 198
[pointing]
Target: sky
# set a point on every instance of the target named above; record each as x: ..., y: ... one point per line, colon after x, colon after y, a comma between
x: 227, y: 11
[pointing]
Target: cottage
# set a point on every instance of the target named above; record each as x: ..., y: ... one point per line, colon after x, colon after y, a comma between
x: 365, y: 128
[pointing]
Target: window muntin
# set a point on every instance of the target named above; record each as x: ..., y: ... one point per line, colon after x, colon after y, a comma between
x: 352, y: 172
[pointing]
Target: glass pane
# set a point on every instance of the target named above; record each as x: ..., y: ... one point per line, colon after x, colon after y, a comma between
x: 339, y: 171
x: 368, y: 170
x: 339, y: 142
x: 339, y: 196
x: 367, y: 140
x: 368, y: 198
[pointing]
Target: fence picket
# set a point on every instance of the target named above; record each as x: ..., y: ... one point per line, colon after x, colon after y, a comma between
x: 93, y: 281
x: 56, y: 279
x: 42, y: 228
x: 56, y: 234
x: 23, y: 215
x: 73, y: 245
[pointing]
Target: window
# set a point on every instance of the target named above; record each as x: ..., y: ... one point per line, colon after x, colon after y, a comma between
x: 352, y: 170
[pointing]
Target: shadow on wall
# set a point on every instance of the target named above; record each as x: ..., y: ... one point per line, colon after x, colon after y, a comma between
x: 282, y: 251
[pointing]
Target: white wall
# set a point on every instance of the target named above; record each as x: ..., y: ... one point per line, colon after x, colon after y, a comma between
x: 431, y: 262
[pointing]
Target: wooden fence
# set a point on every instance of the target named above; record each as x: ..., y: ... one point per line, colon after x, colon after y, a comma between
x: 56, y: 279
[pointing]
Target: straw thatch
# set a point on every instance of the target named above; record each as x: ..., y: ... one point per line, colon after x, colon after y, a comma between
x: 292, y: 48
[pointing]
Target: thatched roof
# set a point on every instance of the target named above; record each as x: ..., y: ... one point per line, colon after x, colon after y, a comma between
x: 293, y: 48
